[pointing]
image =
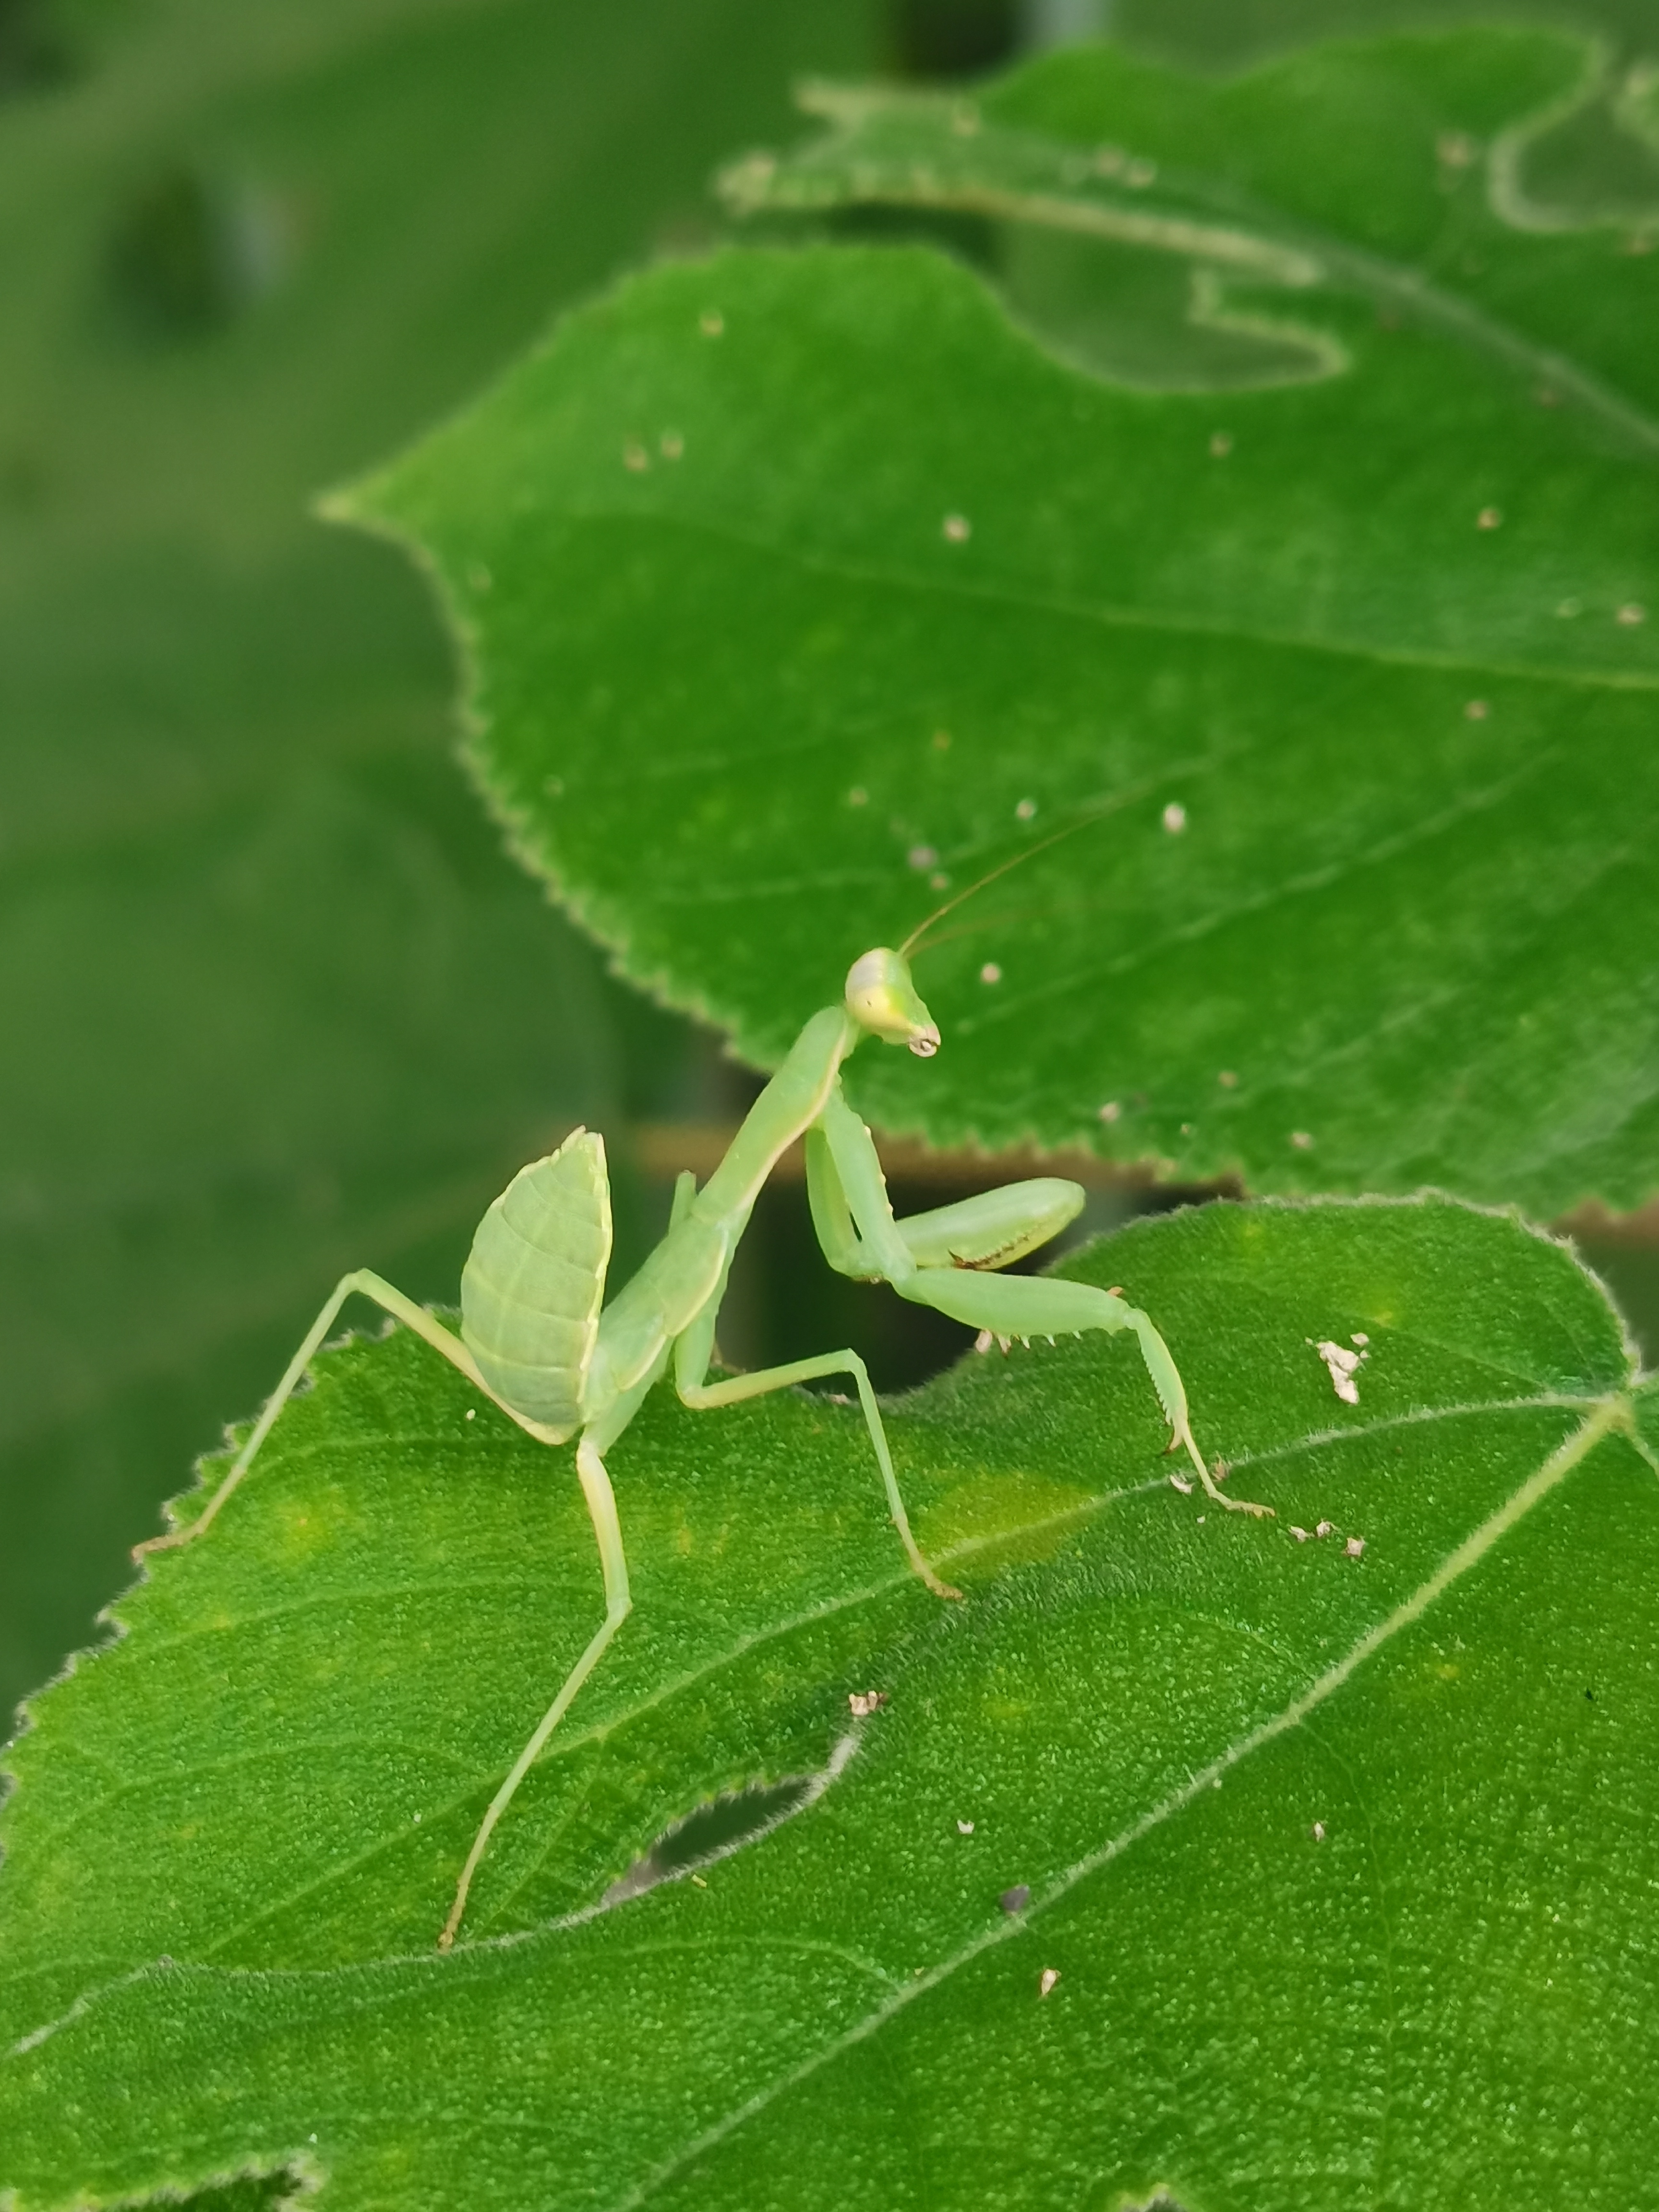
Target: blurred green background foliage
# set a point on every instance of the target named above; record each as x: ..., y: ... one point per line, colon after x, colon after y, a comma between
x: 274, y: 1002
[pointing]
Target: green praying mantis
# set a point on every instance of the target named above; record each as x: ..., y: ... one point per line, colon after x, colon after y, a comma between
x: 535, y: 1338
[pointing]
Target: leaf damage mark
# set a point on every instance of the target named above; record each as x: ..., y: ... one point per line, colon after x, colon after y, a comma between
x: 726, y: 1823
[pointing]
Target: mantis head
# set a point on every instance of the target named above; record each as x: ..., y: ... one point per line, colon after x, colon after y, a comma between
x: 881, y: 997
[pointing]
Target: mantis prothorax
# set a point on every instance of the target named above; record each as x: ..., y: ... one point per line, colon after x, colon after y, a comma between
x: 534, y: 1340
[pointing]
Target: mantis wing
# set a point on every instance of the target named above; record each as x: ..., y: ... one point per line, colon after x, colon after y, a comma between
x: 532, y: 1284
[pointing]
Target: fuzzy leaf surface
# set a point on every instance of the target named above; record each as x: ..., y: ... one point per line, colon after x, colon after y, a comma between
x: 1344, y: 1863
x: 1279, y: 490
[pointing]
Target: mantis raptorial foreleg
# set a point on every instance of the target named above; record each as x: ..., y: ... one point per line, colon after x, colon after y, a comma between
x: 847, y: 1186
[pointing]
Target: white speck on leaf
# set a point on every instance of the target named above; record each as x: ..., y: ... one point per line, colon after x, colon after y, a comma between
x: 1302, y: 1140
x: 863, y: 1703
x: 1341, y: 1364
x: 922, y: 856
x: 1476, y: 711
x: 472, y: 1413
x: 1490, y: 517
x: 1326, y: 1528
x: 1110, y: 1110
x: 1354, y: 1546
x: 1175, y: 818
x: 1049, y: 1976
x: 990, y: 972
x: 1631, y: 614
x: 964, y: 1827
x: 958, y: 529
x: 1319, y: 1832
x: 1025, y: 810
x: 1359, y: 1338
x: 1300, y: 1535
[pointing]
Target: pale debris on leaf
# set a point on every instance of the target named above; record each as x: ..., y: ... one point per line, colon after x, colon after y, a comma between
x: 1341, y: 1364
x: 1180, y: 1482
x: 964, y: 1827
x: 1319, y: 1832
x: 866, y: 1702
x: 1046, y: 1981
x: 1354, y: 1546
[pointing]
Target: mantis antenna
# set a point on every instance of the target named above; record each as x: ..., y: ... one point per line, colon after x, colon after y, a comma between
x: 1003, y: 868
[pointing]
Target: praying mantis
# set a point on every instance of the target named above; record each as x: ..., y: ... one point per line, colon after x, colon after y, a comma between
x: 535, y: 1338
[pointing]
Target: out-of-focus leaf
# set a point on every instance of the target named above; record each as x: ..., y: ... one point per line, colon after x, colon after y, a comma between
x: 273, y: 1003
x: 811, y: 576
x: 1343, y: 1856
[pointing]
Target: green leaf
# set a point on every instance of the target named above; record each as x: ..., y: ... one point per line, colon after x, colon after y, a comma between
x: 274, y: 1003
x: 1343, y: 1861
x: 828, y: 579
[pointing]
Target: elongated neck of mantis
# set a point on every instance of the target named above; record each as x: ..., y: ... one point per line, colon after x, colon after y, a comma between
x: 787, y: 1107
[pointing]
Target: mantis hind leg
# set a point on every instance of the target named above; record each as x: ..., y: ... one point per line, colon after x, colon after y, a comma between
x: 602, y: 1511
x: 362, y: 1283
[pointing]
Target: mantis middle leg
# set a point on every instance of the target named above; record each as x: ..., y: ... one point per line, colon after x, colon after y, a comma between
x: 860, y: 1236
x: 694, y: 1348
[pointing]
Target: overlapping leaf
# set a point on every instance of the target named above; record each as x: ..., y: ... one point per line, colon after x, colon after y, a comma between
x: 799, y: 586
x: 1341, y: 1861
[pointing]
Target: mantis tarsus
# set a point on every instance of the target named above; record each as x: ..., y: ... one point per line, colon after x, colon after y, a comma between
x: 534, y: 1340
